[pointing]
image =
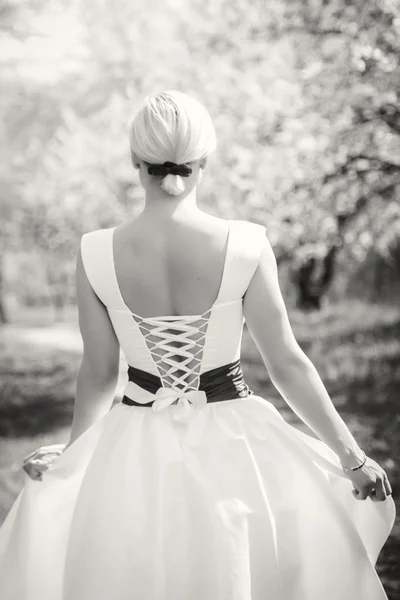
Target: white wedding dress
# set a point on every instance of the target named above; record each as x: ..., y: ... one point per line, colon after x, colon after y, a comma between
x: 212, y: 497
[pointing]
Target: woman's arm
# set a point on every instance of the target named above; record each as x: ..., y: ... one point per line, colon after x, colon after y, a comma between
x: 98, y: 373
x: 291, y: 371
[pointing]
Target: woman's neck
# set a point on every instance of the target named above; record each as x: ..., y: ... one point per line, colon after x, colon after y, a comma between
x: 164, y: 206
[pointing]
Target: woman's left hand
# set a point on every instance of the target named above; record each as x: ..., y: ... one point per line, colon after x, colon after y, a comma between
x: 370, y: 481
x: 38, y: 461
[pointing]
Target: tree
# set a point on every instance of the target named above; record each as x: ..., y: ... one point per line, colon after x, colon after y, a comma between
x: 304, y: 98
x: 360, y: 188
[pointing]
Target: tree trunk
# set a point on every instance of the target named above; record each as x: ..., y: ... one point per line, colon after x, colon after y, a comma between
x: 313, y: 279
x: 307, y: 297
x: 3, y: 313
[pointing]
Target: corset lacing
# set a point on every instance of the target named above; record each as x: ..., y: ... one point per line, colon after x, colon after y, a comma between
x: 176, y: 345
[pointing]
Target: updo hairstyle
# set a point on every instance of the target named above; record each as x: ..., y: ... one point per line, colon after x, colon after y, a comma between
x: 171, y: 127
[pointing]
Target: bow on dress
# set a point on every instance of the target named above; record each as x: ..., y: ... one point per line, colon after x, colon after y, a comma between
x: 164, y: 397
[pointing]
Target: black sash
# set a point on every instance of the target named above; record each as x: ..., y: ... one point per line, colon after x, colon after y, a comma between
x: 222, y: 383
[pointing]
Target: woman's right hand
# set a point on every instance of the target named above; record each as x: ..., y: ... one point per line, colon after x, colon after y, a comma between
x: 370, y: 481
x: 38, y: 461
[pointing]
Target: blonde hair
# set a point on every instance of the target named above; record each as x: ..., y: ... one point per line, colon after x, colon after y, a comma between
x: 172, y: 126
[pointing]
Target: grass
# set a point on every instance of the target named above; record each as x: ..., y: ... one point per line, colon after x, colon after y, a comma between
x: 354, y: 346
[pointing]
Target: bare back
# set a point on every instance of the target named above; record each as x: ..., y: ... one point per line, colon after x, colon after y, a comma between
x: 170, y: 267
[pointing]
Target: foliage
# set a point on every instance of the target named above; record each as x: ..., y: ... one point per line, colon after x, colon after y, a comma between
x: 304, y: 97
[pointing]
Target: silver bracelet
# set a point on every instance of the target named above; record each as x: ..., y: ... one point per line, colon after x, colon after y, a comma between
x: 350, y: 469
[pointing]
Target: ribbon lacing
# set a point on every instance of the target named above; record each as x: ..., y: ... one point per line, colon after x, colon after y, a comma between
x: 178, y: 366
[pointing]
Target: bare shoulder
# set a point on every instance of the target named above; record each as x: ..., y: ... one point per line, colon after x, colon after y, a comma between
x: 96, y: 232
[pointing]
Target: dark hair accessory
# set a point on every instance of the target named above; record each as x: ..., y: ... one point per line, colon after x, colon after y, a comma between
x: 170, y: 168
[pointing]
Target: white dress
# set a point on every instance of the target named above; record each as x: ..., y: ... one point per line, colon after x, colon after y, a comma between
x: 194, y: 499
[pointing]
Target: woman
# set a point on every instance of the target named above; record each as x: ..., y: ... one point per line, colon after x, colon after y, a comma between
x: 192, y: 487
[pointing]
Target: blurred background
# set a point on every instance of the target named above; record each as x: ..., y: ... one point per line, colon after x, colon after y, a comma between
x: 305, y: 98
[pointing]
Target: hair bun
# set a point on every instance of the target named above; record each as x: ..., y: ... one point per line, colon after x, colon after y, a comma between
x: 173, y: 185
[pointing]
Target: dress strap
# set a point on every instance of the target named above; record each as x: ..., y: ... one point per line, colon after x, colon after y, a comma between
x: 97, y: 258
x: 245, y: 247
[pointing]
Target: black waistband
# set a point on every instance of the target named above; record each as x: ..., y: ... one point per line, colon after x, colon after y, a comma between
x: 222, y: 383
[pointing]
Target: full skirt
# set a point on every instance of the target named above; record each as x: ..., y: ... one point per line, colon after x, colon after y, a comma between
x: 233, y: 503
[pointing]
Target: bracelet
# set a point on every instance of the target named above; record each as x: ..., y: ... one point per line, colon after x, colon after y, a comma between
x: 350, y: 469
